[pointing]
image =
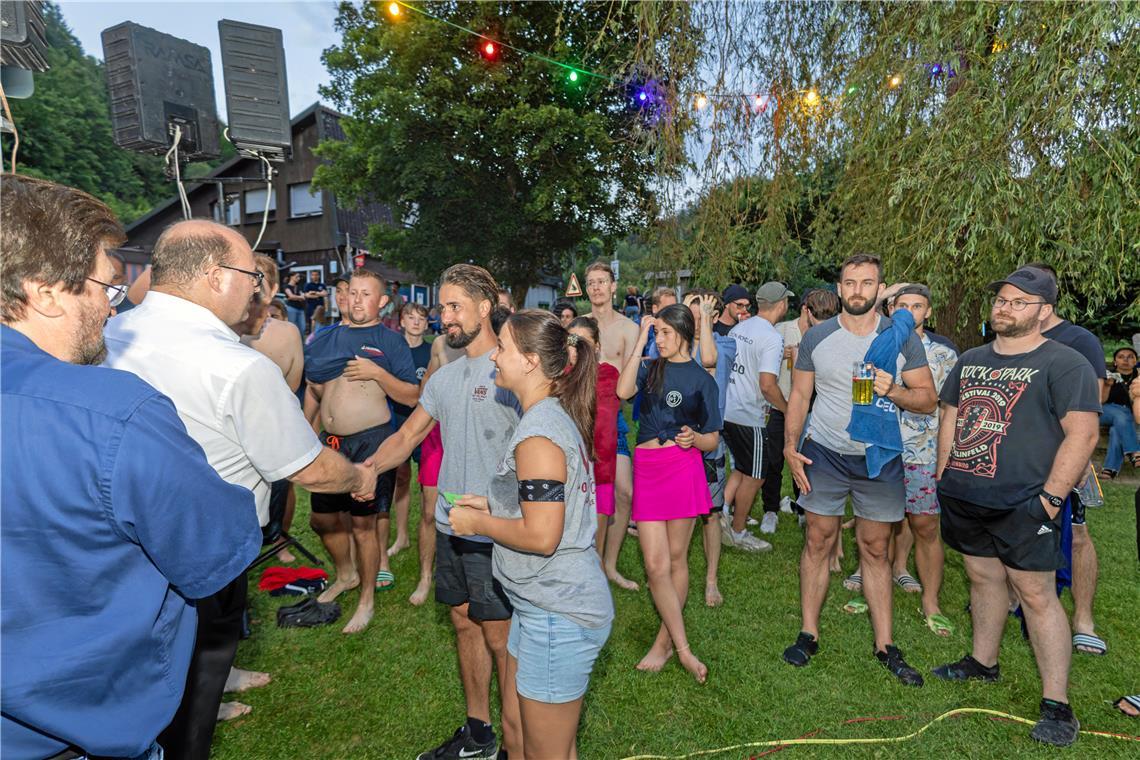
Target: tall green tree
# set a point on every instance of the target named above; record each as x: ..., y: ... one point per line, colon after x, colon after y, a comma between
x: 965, y: 139
x: 65, y: 131
x: 500, y: 160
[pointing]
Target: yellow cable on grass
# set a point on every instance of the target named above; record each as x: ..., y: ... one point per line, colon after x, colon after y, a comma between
x: 885, y: 740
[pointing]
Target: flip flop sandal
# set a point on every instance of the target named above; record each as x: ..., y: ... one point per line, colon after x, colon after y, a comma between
x: 939, y: 624
x: 385, y: 581
x: 1107, y: 474
x: 1133, y: 699
x: 1093, y: 644
x: 853, y: 582
x: 908, y: 583
x: 856, y: 606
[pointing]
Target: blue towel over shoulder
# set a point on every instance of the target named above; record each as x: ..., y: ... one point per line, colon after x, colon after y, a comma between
x: 877, y: 424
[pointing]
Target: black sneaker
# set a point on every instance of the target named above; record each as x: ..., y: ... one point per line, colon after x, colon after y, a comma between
x: 1058, y: 726
x: 967, y: 669
x: 461, y: 746
x: 800, y: 653
x: 893, y: 660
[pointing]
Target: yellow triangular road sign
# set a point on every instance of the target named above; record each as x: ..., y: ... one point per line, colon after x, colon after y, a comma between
x: 573, y: 289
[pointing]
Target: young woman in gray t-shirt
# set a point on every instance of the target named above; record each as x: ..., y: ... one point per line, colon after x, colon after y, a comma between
x: 540, y: 513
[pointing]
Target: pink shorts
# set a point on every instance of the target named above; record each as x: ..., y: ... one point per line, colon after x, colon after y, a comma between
x: 431, y: 457
x: 669, y: 484
x: 604, y: 498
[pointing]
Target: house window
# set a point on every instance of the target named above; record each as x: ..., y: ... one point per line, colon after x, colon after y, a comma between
x: 304, y: 200
x: 233, y: 211
x: 255, y: 204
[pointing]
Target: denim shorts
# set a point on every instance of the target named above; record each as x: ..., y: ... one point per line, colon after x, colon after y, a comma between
x: 555, y: 655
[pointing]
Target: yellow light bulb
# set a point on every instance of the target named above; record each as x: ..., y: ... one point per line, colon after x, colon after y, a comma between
x: 394, y: 9
x: 701, y: 102
x: 811, y: 98
x: 895, y: 81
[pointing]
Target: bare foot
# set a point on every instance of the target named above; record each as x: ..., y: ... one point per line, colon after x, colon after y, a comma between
x: 621, y: 581
x: 286, y: 557
x: 420, y: 595
x: 713, y: 596
x: 836, y: 567
x: 654, y: 660
x: 697, y: 668
x: 240, y: 680
x: 337, y: 588
x: 231, y: 710
x: 398, y: 546
x: 360, y: 620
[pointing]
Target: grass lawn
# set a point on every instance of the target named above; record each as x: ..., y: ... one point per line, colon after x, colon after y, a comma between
x: 394, y: 691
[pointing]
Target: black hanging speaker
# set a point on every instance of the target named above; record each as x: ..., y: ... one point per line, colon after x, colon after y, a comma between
x: 23, y: 45
x: 158, y: 82
x: 257, y: 95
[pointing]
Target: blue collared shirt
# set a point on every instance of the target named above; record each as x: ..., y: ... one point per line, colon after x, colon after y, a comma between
x: 112, y: 521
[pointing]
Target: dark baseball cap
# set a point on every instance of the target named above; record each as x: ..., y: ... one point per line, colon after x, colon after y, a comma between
x: 1034, y: 281
x: 772, y: 292
x: 914, y: 289
x: 735, y: 293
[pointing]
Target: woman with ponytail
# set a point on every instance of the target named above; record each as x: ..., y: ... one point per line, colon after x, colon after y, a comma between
x: 540, y: 514
x: 680, y: 419
x: 605, y: 426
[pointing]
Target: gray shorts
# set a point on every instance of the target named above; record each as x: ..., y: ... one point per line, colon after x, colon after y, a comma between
x: 835, y: 476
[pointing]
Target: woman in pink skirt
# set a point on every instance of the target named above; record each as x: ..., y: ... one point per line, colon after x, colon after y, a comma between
x: 680, y: 419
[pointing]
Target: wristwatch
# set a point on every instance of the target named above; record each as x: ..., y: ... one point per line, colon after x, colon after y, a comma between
x: 1056, y: 501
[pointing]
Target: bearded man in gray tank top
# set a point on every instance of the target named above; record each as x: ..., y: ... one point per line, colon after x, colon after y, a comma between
x: 476, y: 422
x: 831, y: 466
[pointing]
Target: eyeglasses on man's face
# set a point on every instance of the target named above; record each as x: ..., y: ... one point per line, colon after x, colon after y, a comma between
x: 1017, y: 304
x: 115, y: 293
x: 258, y: 277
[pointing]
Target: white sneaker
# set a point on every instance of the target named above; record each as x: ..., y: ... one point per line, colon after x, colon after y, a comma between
x: 786, y: 505
x: 751, y: 522
x: 769, y: 523
x: 749, y: 543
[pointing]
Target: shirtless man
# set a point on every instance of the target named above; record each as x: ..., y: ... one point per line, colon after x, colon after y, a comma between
x: 619, y: 337
x: 352, y: 372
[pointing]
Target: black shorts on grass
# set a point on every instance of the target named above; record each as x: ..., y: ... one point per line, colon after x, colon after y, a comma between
x: 358, y: 447
x: 1024, y: 538
x: 747, y: 447
x: 463, y: 576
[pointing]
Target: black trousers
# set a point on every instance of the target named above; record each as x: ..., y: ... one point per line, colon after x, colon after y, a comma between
x: 189, y: 735
x: 774, y: 453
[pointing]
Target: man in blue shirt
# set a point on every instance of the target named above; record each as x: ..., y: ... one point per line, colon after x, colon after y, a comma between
x: 113, y: 520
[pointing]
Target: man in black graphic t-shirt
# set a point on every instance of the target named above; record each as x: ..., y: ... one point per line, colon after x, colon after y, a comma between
x: 1019, y: 422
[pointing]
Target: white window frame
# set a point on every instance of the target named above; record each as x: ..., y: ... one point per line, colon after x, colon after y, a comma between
x: 251, y: 210
x: 305, y: 189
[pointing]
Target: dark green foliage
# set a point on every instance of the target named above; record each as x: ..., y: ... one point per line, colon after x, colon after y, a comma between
x: 499, y: 163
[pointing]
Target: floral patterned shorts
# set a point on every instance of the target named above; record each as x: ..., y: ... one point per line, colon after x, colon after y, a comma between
x: 921, y: 489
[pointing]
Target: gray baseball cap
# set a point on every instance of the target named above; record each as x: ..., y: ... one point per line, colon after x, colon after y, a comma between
x: 915, y: 289
x: 772, y: 292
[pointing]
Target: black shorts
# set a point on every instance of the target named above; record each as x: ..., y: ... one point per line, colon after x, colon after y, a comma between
x: 463, y: 576
x: 358, y: 447
x: 747, y: 447
x: 715, y: 477
x: 1023, y: 538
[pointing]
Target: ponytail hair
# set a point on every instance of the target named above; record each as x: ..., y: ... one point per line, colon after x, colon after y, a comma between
x: 680, y: 318
x: 571, y: 368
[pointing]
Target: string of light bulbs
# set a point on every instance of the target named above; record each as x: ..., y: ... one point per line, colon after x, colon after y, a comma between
x: 647, y: 94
